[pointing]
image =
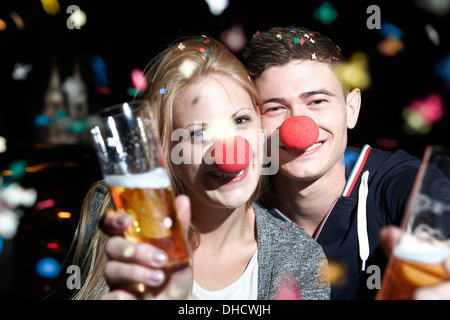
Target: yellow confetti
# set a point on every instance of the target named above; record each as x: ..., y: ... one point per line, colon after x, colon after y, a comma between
x: 51, y: 7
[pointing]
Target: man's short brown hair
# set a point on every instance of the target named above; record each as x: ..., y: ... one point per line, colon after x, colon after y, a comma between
x: 279, y: 45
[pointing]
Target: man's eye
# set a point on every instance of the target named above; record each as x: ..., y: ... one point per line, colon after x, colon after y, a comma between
x: 242, y: 120
x: 273, y: 109
x: 317, y: 101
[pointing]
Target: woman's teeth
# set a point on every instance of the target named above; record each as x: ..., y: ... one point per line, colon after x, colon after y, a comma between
x: 226, y: 175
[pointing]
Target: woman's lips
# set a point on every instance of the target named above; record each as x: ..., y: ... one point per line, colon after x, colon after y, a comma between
x: 228, y: 178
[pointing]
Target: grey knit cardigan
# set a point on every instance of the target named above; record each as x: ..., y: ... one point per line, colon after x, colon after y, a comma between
x: 287, y: 254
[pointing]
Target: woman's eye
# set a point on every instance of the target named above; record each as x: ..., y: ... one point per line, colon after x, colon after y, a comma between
x: 198, y: 133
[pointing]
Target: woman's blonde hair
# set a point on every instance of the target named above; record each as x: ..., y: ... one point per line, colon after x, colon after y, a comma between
x: 169, y: 74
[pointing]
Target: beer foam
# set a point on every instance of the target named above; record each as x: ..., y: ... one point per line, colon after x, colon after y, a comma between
x: 415, y: 250
x: 156, y: 179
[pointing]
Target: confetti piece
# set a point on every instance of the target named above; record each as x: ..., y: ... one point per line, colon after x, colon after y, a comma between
x: 350, y: 158
x: 17, y: 20
x: 44, y: 204
x: 78, y: 18
x: 202, y: 49
x: 129, y: 251
x: 187, y: 68
x: 217, y: 6
x: 51, y: 7
x: 282, y: 228
x: 326, y: 13
x: 139, y: 80
x: 442, y: 68
x: 422, y: 114
x: 297, y: 40
x: 52, y: 245
x: 218, y: 128
x: 167, y: 222
x: 313, y: 56
x: 42, y: 120
x: 100, y: 72
x: 432, y: 34
x: 355, y: 72
x: 9, y: 221
x: 133, y: 92
x: 3, y: 25
x: 302, y: 41
x: 439, y: 8
x: 279, y: 37
x: 234, y: 38
x: 390, y: 46
x: 48, y: 268
x: 181, y: 46
x: 3, y: 147
x: 21, y: 71
x: 64, y: 215
x: 288, y: 288
x: 162, y: 91
x: 388, y: 30
x: 387, y: 143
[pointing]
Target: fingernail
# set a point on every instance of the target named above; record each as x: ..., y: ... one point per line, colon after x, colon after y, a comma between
x: 425, y: 294
x: 121, y: 220
x: 158, y: 259
x: 155, y: 277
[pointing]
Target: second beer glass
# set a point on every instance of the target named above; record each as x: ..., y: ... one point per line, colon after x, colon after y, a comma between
x: 417, y: 260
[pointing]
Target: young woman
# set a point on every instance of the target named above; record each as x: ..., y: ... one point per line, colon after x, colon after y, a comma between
x: 239, y: 250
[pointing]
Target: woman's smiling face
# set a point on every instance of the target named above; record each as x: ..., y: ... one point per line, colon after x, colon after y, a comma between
x: 203, y: 103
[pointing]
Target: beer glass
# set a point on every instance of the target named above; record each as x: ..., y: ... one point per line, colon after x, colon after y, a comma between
x: 417, y: 260
x: 134, y: 169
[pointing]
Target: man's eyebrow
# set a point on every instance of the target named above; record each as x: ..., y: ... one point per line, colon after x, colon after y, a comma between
x: 273, y: 100
x: 304, y: 95
x: 308, y: 94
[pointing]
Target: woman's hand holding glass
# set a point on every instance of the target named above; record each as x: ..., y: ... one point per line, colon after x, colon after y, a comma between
x: 131, y: 264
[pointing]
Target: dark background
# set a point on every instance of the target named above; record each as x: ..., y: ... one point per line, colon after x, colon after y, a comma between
x: 127, y: 34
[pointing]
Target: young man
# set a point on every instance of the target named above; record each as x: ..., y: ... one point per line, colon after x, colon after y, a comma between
x: 296, y: 71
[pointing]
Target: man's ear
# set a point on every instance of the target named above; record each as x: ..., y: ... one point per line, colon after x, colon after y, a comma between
x: 353, y: 107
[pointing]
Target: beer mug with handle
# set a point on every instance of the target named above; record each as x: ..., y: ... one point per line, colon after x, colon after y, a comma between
x: 134, y: 169
x: 417, y: 260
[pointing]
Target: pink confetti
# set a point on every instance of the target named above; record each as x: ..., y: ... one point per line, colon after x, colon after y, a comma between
x: 202, y: 49
x: 138, y: 79
x: 431, y: 108
x: 288, y: 288
x: 44, y: 204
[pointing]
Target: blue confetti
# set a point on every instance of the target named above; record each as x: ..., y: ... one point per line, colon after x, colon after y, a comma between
x: 48, y: 268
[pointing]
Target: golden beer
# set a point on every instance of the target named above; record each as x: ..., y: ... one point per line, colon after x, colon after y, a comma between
x: 148, y: 199
x: 413, y: 265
